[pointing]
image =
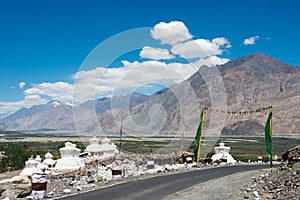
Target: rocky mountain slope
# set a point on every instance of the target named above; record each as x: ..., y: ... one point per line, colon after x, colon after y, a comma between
x: 259, y: 80
x: 246, y: 83
x: 59, y: 116
x: 53, y: 115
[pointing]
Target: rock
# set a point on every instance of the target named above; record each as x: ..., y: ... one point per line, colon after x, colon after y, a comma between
x: 105, y: 173
x: 78, y: 188
x: 90, y: 180
x: 282, y: 183
x: 16, y: 187
x: 1, y: 191
x: 168, y: 167
x: 67, y: 191
x: 255, y: 194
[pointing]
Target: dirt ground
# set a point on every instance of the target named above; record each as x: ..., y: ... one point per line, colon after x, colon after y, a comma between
x: 227, y: 187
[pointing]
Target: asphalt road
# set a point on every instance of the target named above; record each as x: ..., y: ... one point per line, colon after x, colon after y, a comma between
x: 161, y: 186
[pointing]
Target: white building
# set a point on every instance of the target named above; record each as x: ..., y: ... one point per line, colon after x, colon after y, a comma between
x: 104, y: 150
x: 49, y: 160
x: 31, y: 166
x: 69, y: 160
x: 222, y: 153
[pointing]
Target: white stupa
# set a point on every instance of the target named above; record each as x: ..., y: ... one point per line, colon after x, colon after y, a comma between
x: 39, y: 160
x: 108, y: 149
x: 94, y: 148
x: 31, y: 166
x: 104, y: 150
x: 69, y: 160
x: 222, y: 152
x: 49, y: 160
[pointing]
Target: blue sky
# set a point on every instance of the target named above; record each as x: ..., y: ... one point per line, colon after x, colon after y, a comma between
x: 47, y: 41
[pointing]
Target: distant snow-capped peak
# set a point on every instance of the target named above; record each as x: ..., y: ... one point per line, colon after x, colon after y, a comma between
x: 55, y: 103
x: 69, y: 104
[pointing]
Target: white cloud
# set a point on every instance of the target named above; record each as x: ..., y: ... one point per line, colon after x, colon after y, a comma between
x: 171, y: 33
x: 251, y: 40
x: 22, y: 84
x: 86, y: 82
x: 103, y: 82
x: 100, y: 82
x: 201, y: 48
x: 222, y: 41
x: 212, y: 61
x: 61, y: 91
x: 28, y: 101
x: 130, y: 76
x: 155, y: 53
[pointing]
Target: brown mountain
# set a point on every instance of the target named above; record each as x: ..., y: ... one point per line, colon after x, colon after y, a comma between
x: 246, y: 83
x: 59, y: 116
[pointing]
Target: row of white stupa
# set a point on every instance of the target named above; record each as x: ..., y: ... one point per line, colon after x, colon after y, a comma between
x: 70, y: 159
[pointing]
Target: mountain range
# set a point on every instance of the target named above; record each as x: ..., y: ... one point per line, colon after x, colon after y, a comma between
x: 246, y: 83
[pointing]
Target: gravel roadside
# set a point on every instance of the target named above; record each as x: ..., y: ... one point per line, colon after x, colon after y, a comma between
x: 228, y: 187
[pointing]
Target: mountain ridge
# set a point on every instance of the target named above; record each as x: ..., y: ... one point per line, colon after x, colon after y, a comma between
x: 250, y: 82
x: 253, y: 81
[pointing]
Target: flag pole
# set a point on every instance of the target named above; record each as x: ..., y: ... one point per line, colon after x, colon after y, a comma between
x: 268, y: 138
x: 199, y: 147
x: 121, y: 137
x: 271, y: 135
x: 198, y: 138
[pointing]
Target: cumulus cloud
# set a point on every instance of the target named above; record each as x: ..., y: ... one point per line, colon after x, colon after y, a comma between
x: 21, y: 85
x: 130, y: 76
x: 155, y: 53
x: 212, y: 61
x: 62, y: 91
x: 221, y: 41
x: 200, y: 48
x: 28, y: 101
x: 171, y: 33
x: 103, y: 82
x: 251, y: 40
x: 85, y: 83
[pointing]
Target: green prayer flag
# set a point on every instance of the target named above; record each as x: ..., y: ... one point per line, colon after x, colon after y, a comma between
x: 198, y: 138
x: 268, y: 137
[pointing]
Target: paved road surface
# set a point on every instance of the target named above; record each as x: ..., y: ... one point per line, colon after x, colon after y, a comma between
x: 161, y: 186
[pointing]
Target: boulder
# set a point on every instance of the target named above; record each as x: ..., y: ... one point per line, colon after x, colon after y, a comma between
x: 16, y: 187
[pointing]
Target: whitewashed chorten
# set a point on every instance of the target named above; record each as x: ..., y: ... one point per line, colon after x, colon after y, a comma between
x: 104, y: 150
x: 69, y: 160
x: 94, y: 148
x: 49, y: 160
x: 108, y: 149
x: 222, y: 152
x: 31, y: 166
